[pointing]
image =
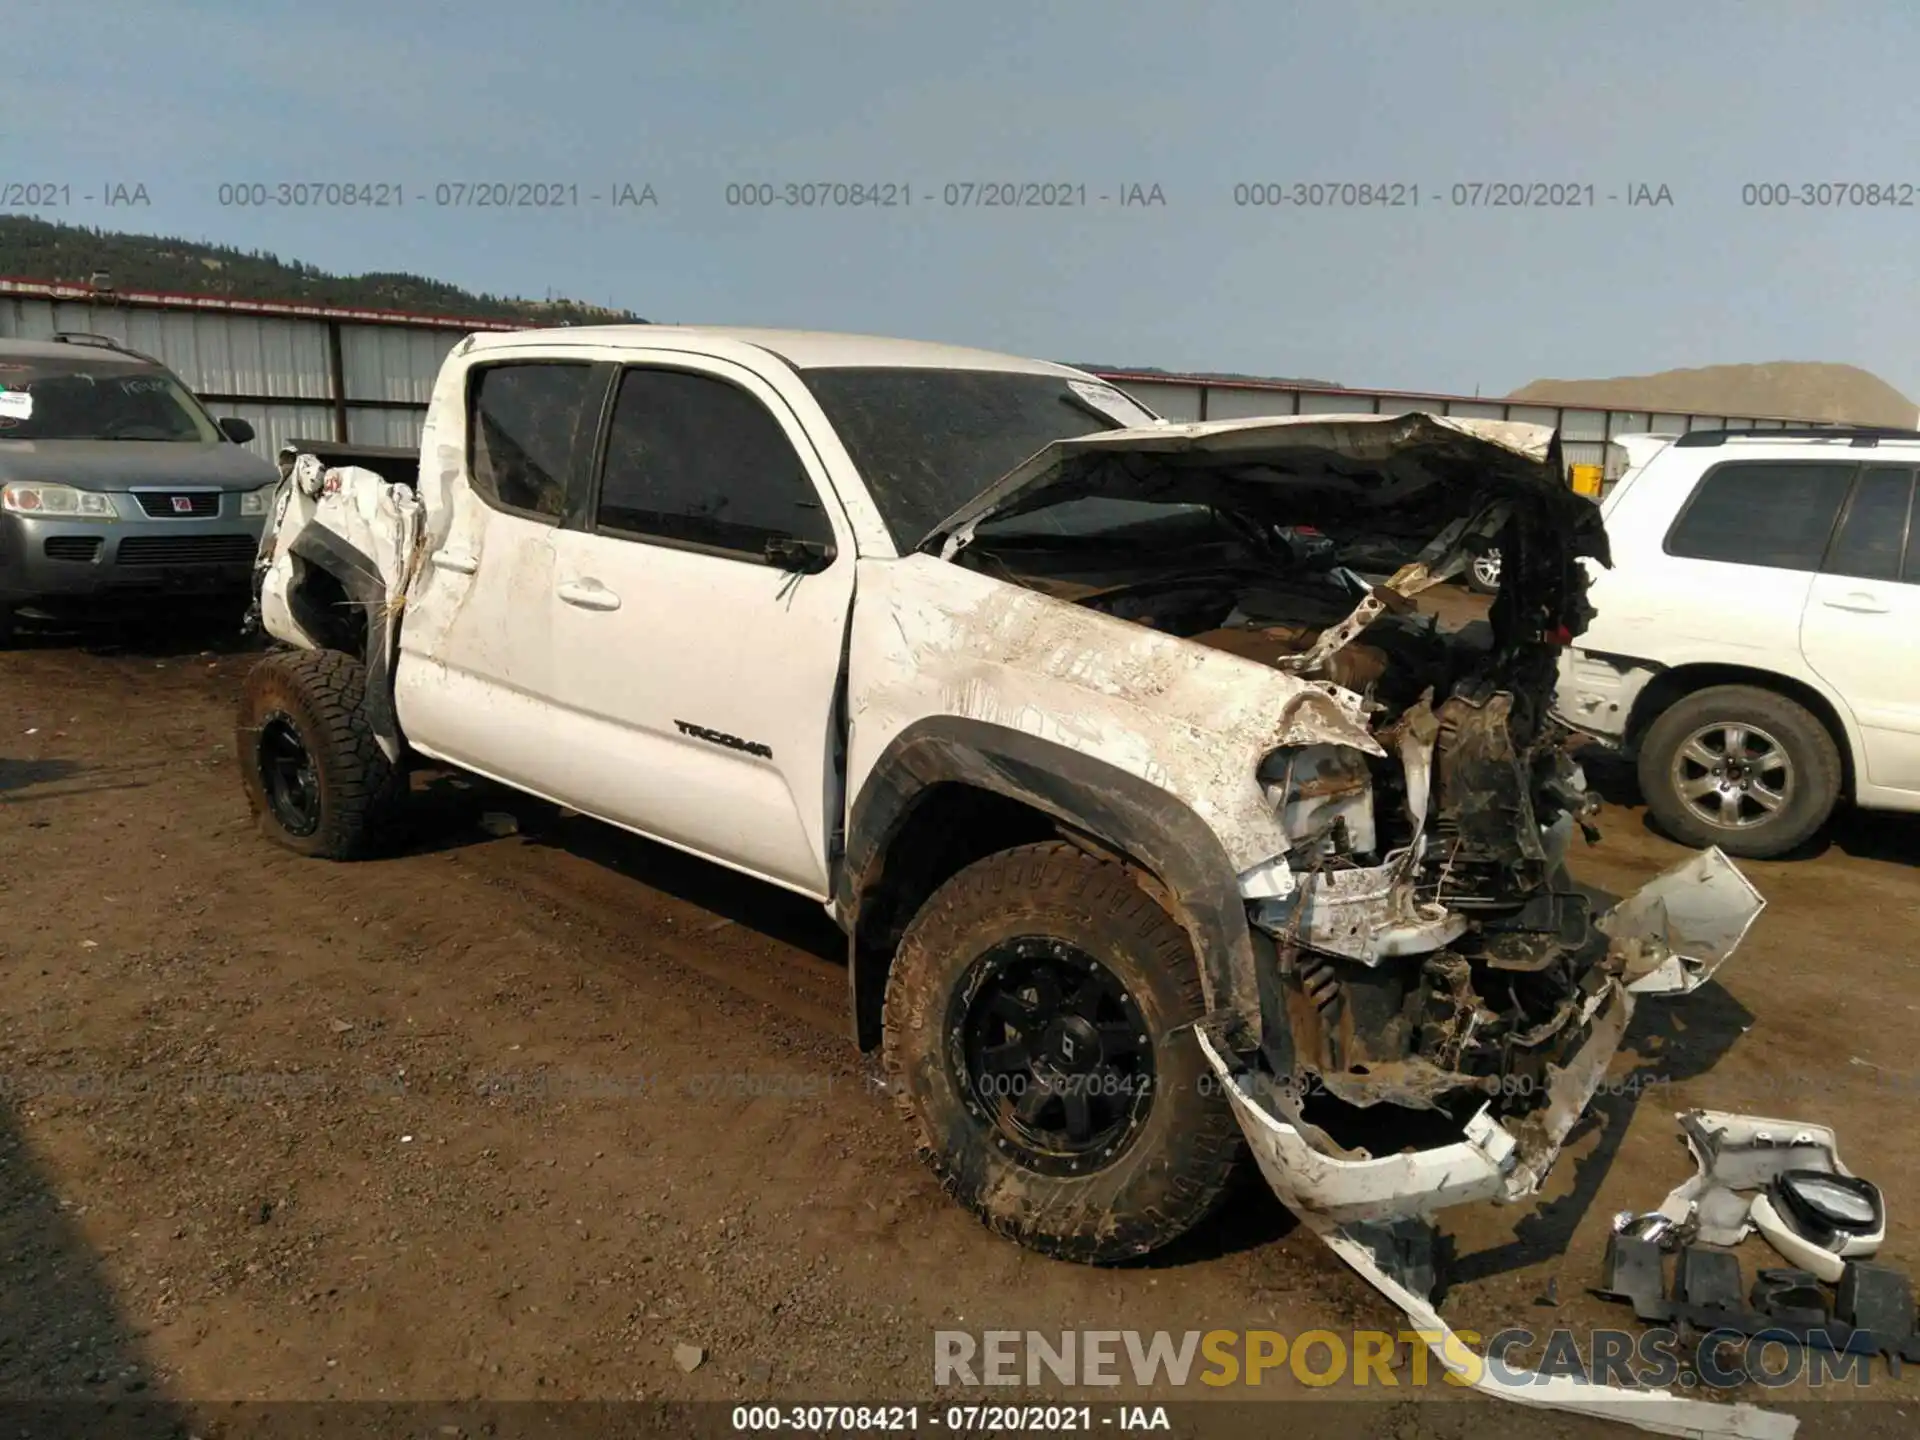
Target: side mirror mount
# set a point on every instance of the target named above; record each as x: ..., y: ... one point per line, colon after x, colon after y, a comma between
x: 799, y: 557
x: 237, y: 430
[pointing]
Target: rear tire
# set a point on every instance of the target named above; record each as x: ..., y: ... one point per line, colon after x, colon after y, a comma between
x: 316, y: 778
x: 1742, y: 768
x: 1149, y: 1146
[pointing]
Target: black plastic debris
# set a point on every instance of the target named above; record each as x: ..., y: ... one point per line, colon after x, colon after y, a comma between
x: 1877, y: 1298
x: 1793, y: 1297
x: 1633, y: 1272
x: 1706, y: 1279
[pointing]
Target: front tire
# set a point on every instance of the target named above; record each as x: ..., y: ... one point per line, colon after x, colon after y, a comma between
x: 1038, y: 1037
x: 1742, y: 768
x: 315, y: 776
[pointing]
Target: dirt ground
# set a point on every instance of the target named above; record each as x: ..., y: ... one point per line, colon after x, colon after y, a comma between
x: 514, y: 1115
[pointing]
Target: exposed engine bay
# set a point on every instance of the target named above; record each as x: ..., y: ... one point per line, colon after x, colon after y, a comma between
x: 1431, y: 959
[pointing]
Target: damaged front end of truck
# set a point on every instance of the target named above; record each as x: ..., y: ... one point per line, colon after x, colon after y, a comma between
x: 1437, y: 999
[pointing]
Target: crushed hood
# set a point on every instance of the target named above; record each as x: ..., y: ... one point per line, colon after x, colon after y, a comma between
x: 1405, y: 475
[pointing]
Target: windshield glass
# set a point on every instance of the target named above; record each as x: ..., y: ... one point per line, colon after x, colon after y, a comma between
x: 76, y: 400
x: 927, y: 441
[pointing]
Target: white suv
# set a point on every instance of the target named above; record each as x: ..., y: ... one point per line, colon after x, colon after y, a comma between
x: 1756, y: 643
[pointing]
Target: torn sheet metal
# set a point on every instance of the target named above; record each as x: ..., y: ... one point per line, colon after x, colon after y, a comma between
x: 931, y: 639
x: 1679, y: 928
x: 358, y: 514
x: 1740, y: 1153
x: 1384, y: 463
x: 1489, y: 1161
x: 1659, y: 1411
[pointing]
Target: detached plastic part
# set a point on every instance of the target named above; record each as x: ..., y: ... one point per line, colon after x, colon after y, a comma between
x: 1737, y: 1153
x: 1876, y: 1298
x: 1658, y: 1411
x: 1819, y: 1232
x: 1681, y: 926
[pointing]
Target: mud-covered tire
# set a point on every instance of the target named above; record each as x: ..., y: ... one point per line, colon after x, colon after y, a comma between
x: 345, y: 805
x: 1175, y: 1161
x: 1812, y: 770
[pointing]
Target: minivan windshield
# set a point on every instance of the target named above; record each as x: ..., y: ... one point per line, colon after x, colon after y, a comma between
x: 926, y: 441
x: 76, y: 400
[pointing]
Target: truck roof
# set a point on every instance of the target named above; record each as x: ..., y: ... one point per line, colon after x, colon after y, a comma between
x: 802, y: 349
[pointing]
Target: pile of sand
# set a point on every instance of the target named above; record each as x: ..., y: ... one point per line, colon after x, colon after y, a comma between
x: 1799, y: 390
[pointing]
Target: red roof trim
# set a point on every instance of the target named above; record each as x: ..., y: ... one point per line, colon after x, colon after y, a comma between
x: 228, y: 304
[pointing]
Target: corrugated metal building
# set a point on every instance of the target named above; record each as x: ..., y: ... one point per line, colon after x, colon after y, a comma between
x: 308, y: 372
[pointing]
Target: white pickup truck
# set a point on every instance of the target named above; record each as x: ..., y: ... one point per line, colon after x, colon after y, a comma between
x: 1155, y: 829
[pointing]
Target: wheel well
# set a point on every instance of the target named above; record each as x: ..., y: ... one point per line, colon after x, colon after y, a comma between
x: 322, y: 608
x: 950, y: 826
x: 1672, y: 685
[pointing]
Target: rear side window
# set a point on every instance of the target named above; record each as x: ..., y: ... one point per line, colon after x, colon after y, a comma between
x: 1762, y: 512
x: 1873, y: 533
x: 694, y: 459
x: 523, y: 432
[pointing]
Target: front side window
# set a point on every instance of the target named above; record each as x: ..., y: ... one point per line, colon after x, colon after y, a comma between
x: 1873, y: 533
x: 524, y: 429
x: 696, y: 460
x: 1778, y: 514
x: 81, y: 400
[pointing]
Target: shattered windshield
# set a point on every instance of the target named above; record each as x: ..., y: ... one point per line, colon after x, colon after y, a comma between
x: 927, y: 441
x: 74, y: 400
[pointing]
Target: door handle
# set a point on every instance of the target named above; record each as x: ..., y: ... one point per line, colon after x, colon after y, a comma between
x: 588, y: 595
x: 1858, y: 601
x: 459, y: 564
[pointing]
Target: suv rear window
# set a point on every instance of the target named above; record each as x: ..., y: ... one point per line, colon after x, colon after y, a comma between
x: 1873, y: 536
x: 1777, y: 513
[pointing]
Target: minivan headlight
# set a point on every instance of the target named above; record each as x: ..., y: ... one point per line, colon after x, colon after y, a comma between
x: 56, y: 502
x: 259, y: 502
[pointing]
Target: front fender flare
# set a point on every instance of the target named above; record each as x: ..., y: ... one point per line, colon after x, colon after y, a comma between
x: 1082, y: 793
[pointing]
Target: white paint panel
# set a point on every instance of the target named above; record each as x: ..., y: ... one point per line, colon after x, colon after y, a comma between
x: 1174, y: 402
x: 1534, y: 414
x: 385, y: 427
x: 1478, y: 410
x: 274, y: 425
x: 1411, y: 404
x: 1628, y: 422
x: 387, y: 362
x: 1311, y: 404
x: 1670, y: 424
x: 1247, y: 404
x: 1584, y: 425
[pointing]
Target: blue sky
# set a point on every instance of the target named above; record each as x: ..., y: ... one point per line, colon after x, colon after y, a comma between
x: 1194, y: 97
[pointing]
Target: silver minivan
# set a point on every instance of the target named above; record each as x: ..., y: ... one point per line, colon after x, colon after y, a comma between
x: 118, y: 491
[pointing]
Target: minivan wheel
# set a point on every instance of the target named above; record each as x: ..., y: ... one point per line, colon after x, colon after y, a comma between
x: 316, y: 779
x: 1742, y: 768
x: 1038, y: 1037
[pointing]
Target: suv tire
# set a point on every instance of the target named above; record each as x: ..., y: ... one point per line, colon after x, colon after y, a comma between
x: 1483, y: 573
x: 1038, y: 1037
x: 1763, y: 762
x: 316, y: 779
